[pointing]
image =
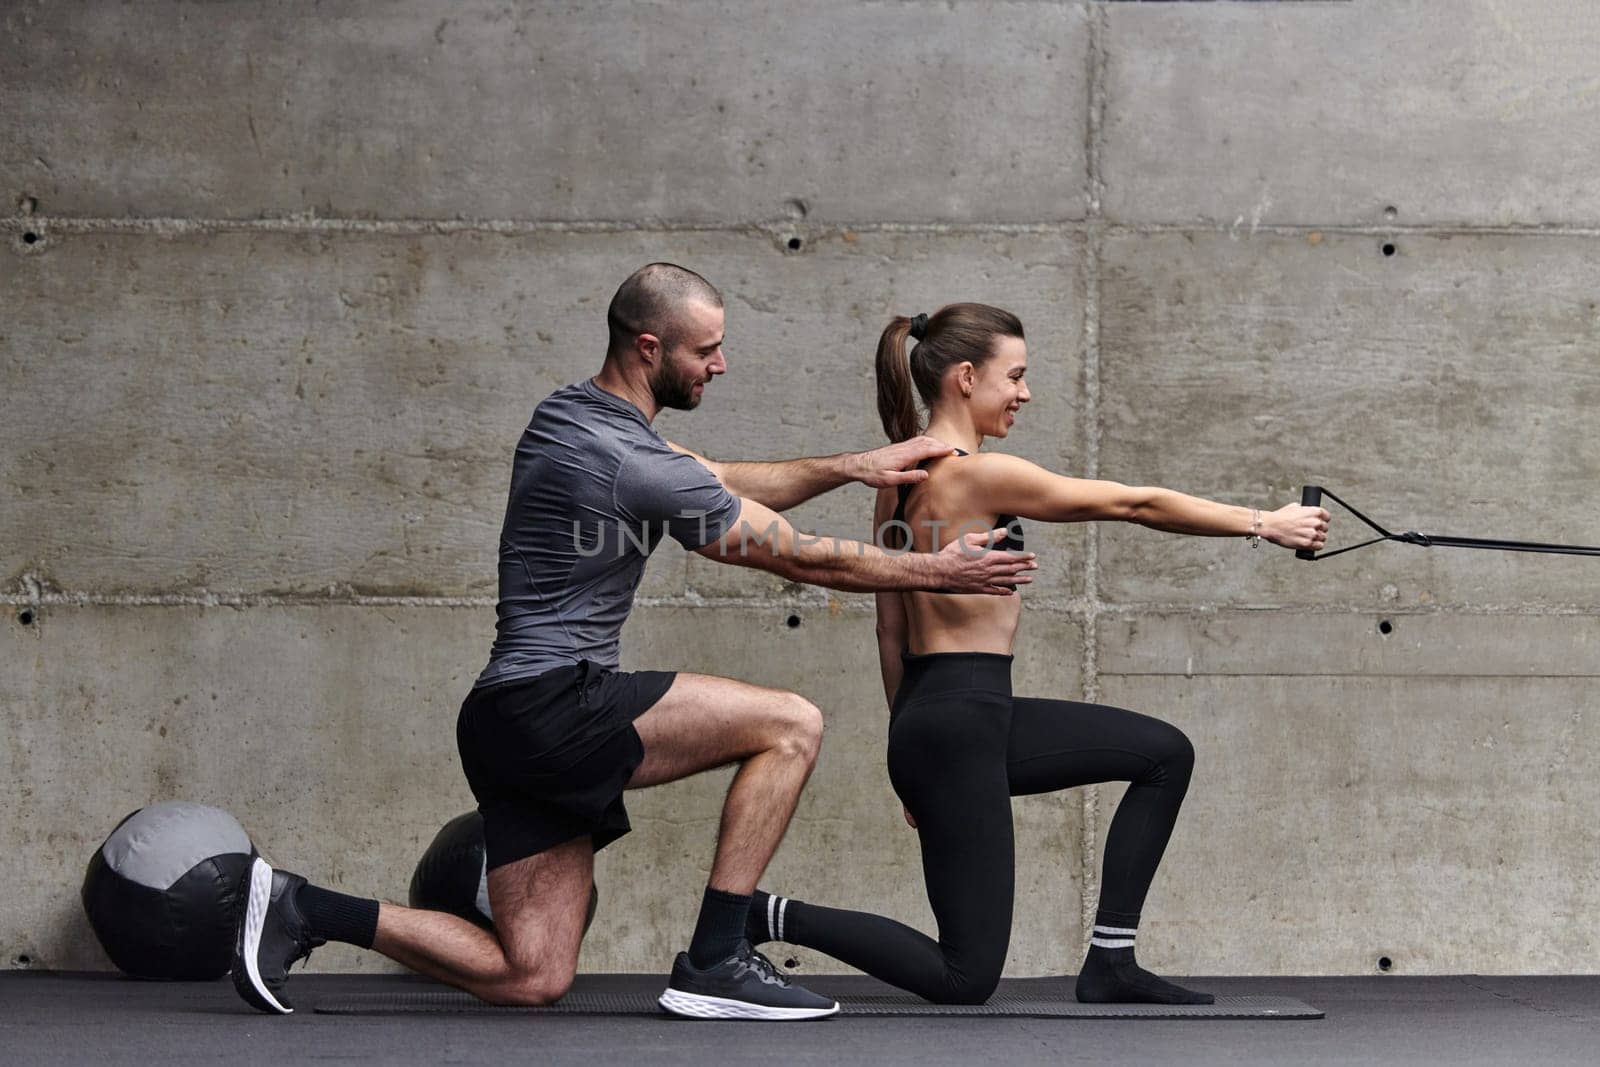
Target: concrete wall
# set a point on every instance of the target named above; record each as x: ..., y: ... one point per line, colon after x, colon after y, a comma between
x: 281, y: 285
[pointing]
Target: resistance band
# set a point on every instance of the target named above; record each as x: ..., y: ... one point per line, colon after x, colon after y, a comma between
x: 1311, y: 496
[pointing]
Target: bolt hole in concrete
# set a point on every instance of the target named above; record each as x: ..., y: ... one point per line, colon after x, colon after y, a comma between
x: 791, y: 964
x: 794, y: 244
x: 1391, y: 212
x: 1389, y: 249
x: 793, y: 622
x: 1386, y: 627
x: 25, y: 617
x: 30, y: 238
x: 22, y: 961
x: 1385, y: 964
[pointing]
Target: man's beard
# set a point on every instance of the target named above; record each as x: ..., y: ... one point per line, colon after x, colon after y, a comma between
x: 674, y: 389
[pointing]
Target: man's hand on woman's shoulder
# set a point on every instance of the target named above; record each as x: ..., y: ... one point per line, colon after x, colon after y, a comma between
x: 896, y: 464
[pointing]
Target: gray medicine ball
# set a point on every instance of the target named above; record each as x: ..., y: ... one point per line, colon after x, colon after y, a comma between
x: 162, y: 893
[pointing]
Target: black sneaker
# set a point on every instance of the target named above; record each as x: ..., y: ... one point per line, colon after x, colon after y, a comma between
x: 272, y: 935
x: 744, y: 986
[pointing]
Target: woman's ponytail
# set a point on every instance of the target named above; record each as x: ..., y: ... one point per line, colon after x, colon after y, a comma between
x: 897, y: 405
x: 956, y: 333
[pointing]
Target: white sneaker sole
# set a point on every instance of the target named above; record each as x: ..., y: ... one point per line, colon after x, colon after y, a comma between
x: 700, y: 1006
x: 255, y: 917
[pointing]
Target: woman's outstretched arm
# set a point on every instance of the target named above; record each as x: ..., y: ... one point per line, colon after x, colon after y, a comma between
x: 1009, y: 485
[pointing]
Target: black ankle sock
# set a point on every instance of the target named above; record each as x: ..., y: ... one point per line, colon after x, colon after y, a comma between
x: 1111, y: 976
x: 756, y: 930
x: 719, y: 929
x: 338, y: 916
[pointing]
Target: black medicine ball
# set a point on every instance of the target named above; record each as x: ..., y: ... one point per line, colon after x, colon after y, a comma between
x: 162, y: 893
x: 453, y: 874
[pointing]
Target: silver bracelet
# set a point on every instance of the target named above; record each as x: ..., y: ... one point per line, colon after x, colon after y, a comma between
x: 1254, y: 536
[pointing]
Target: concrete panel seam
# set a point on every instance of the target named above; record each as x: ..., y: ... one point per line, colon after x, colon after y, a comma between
x: 44, y: 225
x: 1407, y: 675
x: 238, y: 600
x: 1089, y: 802
x: 1281, y: 229
x: 415, y: 227
x: 1078, y: 607
x: 1072, y: 610
x: 1132, y: 608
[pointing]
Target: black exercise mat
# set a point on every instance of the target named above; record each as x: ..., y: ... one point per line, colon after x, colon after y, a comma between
x: 1002, y: 1004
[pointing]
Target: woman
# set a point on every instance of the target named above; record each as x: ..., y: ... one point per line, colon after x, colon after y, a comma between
x: 960, y: 745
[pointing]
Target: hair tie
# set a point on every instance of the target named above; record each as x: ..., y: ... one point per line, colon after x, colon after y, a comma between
x: 919, y: 327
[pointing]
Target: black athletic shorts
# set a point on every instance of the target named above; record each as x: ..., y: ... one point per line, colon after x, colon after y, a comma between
x: 549, y: 757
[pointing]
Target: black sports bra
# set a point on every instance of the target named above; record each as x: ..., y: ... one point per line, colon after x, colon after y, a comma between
x: 1012, y: 542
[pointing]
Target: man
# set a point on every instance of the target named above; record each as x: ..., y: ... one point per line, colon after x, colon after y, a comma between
x: 552, y: 733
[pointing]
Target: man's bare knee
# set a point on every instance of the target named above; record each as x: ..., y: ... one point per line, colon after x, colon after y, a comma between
x: 534, y: 988
x: 800, y: 730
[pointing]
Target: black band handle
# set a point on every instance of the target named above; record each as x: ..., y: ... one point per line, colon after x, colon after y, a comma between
x: 1310, y: 497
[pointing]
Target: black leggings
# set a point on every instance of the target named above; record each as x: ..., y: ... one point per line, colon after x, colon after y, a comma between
x: 960, y: 747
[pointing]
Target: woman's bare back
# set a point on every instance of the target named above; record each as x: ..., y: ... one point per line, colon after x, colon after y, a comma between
x: 939, y: 510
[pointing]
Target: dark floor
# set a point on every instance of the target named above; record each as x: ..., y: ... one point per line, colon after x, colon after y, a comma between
x: 98, y: 1019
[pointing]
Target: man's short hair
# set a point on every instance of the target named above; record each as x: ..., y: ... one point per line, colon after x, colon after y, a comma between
x: 652, y: 301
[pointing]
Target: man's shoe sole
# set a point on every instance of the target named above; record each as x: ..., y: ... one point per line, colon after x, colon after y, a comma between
x: 700, y: 1006
x: 246, y: 974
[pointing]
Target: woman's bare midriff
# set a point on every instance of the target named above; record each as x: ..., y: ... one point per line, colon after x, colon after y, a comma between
x: 947, y: 622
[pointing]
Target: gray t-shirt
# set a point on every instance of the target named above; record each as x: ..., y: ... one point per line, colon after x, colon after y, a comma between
x: 593, y: 488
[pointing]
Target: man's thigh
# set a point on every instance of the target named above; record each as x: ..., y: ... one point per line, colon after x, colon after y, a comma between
x: 705, y: 721
x: 539, y: 905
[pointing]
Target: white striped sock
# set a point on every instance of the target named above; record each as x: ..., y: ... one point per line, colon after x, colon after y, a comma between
x: 783, y: 913
x: 1113, y: 936
x: 772, y: 909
